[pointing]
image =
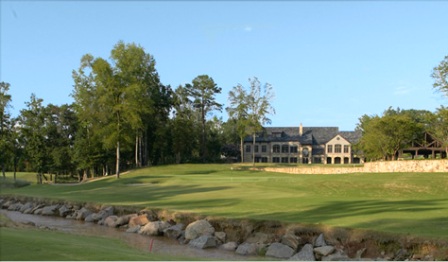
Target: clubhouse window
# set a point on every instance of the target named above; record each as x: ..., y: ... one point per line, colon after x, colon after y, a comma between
x: 256, y: 148
x: 346, y: 148
x: 338, y: 148
x: 293, y: 160
x: 276, y: 160
x: 264, y: 148
x: 276, y: 149
x: 247, y: 148
x: 293, y: 149
x: 284, y: 160
x: 330, y: 149
x: 285, y: 148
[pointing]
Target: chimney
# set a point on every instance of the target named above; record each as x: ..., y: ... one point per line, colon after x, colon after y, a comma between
x: 300, y: 130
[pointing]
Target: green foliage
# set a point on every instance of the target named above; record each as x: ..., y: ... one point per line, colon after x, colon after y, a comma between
x: 382, y: 137
x: 201, y: 94
x: 440, y: 75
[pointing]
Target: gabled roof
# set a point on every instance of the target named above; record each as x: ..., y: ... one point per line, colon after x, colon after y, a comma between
x: 310, y: 135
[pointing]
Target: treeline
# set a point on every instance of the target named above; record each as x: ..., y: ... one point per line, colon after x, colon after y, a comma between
x: 383, y: 136
x: 123, y: 117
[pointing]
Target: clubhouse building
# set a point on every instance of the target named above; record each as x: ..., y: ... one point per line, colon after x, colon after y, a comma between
x: 324, y: 145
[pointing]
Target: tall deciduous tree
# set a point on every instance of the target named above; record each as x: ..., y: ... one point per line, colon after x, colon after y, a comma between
x: 259, y: 108
x: 440, y: 75
x: 441, y: 126
x: 5, y: 130
x: 238, y: 111
x: 202, y: 92
x: 119, y: 95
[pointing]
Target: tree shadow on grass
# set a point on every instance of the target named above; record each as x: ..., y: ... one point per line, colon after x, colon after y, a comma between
x: 421, y: 217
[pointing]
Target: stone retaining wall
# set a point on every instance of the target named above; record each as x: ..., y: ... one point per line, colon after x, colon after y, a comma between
x: 370, y: 167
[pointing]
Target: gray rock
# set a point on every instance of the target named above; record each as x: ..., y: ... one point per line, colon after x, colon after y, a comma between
x: 324, y: 251
x: 110, y: 221
x: 133, y: 229
x: 6, y: 204
x: 260, y: 238
x: 198, y: 228
x: 203, y: 242
x: 82, y: 213
x: 15, y: 207
x: 291, y: 240
x: 92, y: 218
x: 279, y: 250
x: 123, y: 220
x: 220, y: 237
x: 154, y: 228
x: 229, y: 246
x: 26, y: 206
x: 175, y: 231
x: 337, y: 256
x: 64, y: 211
x: 305, y: 254
x: 247, y: 249
x: 320, y: 241
x: 50, y: 210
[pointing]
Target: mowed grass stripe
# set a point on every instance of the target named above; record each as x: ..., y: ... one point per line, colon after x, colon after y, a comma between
x: 407, y: 203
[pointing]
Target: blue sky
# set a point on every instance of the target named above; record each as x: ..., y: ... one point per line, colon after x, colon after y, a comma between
x: 329, y: 62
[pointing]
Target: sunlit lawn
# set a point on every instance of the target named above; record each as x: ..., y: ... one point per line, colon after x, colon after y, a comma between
x: 408, y: 203
x: 21, y: 244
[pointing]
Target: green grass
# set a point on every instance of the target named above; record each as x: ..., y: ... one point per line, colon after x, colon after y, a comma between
x: 20, y: 244
x: 402, y: 203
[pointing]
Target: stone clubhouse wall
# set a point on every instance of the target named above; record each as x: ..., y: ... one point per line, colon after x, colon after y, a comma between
x: 423, y: 166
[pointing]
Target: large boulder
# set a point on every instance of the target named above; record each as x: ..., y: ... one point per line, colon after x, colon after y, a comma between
x: 15, y: 206
x: 279, y: 250
x: 324, y: 251
x: 247, y: 249
x: 123, y: 220
x: 261, y: 238
x: 26, y: 206
x: 199, y: 228
x: 81, y: 214
x: 154, y: 228
x: 291, y: 240
x: 133, y: 229
x: 203, y: 242
x: 175, y: 231
x: 229, y: 246
x: 50, y: 210
x: 64, y: 211
x: 103, y: 214
x: 111, y: 221
x: 305, y: 254
x: 220, y: 237
x: 139, y: 220
x: 320, y: 241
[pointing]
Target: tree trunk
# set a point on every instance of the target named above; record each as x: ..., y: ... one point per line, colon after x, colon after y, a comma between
x: 3, y: 171
x: 242, y: 149
x: 118, y: 160
x: 253, y: 150
x: 136, y: 150
x: 15, y: 169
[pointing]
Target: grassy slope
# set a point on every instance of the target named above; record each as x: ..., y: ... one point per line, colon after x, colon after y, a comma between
x: 22, y: 244
x: 409, y: 203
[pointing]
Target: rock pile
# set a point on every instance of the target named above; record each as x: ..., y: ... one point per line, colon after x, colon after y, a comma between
x: 201, y: 233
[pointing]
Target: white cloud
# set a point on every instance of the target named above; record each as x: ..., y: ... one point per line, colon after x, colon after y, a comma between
x: 402, y: 90
x: 248, y: 28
